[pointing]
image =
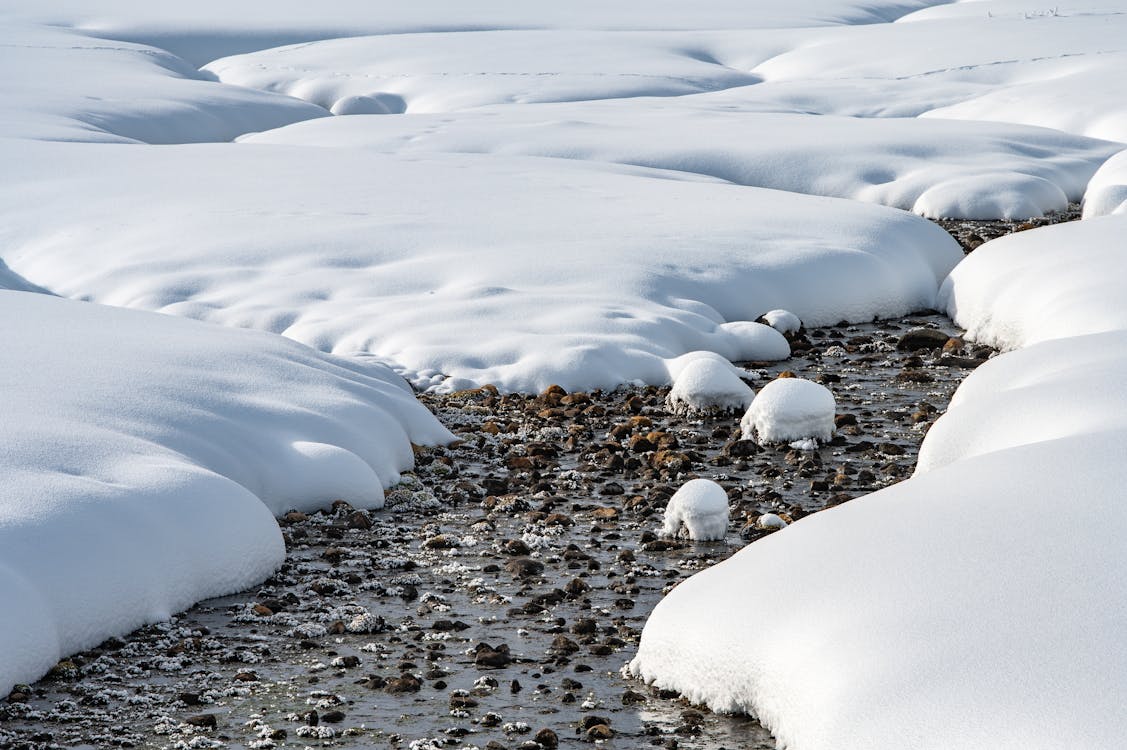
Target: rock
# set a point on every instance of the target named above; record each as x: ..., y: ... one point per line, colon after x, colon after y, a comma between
x: 206, y: 721
x: 547, y: 739
x: 404, y: 684
x: 922, y: 339
x: 491, y: 657
x: 333, y: 717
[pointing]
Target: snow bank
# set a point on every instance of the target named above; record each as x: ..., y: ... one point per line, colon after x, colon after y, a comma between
x: 788, y: 409
x: 208, y: 29
x: 461, y: 269
x: 699, y: 510
x: 706, y: 386
x: 936, y: 168
x: 450, y: 71
x: 1107, y: 191
x: 783, y: 321
x: 1058, y: 281
x: 145, y: 455
x: 59, y: 85
x: 978, y: 604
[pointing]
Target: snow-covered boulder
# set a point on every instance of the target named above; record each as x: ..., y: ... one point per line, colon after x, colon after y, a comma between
x: 708, y: 386
x: 783, y: 321
x: 698, y: 510
x: 145, y: 457
x: 790, y: 409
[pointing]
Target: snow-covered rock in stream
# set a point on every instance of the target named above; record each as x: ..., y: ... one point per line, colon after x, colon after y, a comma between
x: 698, y: 510
x: 706, y: 386
x: 790, y: 409
x: 146, y: 455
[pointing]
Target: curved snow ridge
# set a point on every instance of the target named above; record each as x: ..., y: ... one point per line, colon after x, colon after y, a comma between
x: 64, y: 86
x: 461, y: 269
x: 935, y: 168
x: 145, y: 457
x: 1107, y: 190
x: 1050, y: 283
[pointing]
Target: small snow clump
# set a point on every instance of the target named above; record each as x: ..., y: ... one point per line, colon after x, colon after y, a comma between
x: 783, y: 321
x: 699, y: 509
x: 790, y: 409
x: 709, y: 386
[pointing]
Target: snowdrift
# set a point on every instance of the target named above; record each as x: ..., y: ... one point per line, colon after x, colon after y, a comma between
x: 145, y: 457
x: 461, y: 269
x: 978, y: 604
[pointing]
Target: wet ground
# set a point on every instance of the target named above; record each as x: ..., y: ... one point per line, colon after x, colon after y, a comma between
x: 496, y: 599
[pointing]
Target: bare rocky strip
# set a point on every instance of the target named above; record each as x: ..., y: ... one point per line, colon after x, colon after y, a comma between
x: 496, y: 599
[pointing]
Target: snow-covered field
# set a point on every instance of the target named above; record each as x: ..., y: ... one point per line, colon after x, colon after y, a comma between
x: 522, y: 194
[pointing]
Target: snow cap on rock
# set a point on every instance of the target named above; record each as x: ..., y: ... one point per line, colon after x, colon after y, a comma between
x: 789, y: 409
x: 783, y: 321
x: 698, y: 510
x: 707, y: 385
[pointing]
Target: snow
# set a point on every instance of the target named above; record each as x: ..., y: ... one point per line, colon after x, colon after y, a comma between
x: 208, y: 29
x: 474, y: 269
x: 706, y: 386
x: 699, y: 510
x: 145, y: 457
x: 991, y: 585
x: 936, y: 168
x: 59, y: 85
x: 1107, y: 190
x: 783, y: 321
x: 1057, y: 281
x: 790, y: 409
x: 450, y: 71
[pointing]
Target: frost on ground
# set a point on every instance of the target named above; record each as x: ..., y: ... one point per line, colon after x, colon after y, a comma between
x: 145, y: 456
x: 790, y: 409
x: 991, y: 584
x: 698, y: 510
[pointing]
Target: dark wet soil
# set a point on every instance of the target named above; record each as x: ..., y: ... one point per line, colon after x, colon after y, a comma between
x: 496, y: 599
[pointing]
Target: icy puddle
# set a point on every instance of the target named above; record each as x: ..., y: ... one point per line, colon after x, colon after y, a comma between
x: 495, y: 601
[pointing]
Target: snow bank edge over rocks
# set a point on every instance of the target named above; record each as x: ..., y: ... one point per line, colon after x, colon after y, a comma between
x: 145, y: 456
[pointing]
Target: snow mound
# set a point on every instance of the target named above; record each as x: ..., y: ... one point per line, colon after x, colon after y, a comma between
x: 145, y: 457
x: 1056, y: 281
x: 783, y: 321
x: 450, y: 71
x: 460, y: 269
x: 1107, y: 190
x: 699, y: 510
x: 59, y: 85
x: 936, y: 168
x: 706, y: 386
x: 790, y: 409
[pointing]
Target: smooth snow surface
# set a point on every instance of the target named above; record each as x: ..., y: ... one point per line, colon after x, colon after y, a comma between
x: 59, y: 85
x: 789, y: 409
x: 1107, y: 191
x: 936, y: 168
x: 459, y: 269
x: 706, y: 386
x: 698, y: 510
x: 145, y: 457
